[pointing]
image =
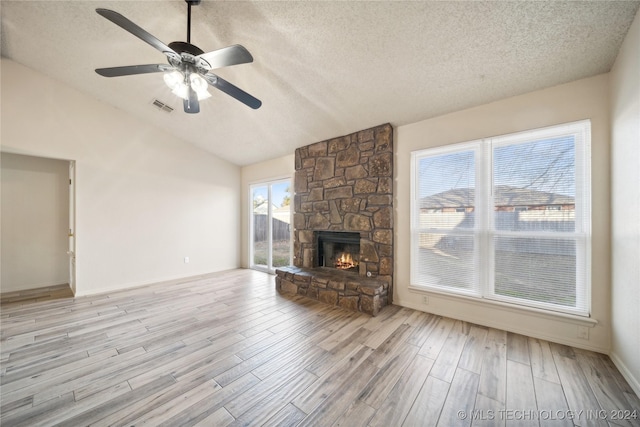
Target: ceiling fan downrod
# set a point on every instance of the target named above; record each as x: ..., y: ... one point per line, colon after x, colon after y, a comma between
x: 189, y: 4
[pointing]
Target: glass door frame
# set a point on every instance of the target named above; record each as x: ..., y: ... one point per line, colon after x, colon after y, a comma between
x: 268, y: 268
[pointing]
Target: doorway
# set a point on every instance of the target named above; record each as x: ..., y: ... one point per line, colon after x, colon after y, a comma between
x: 270, y: 230
x: 37, y: 210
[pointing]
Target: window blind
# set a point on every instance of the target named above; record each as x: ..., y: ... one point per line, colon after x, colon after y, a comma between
x: 447, y: 249
x: 506, y: 218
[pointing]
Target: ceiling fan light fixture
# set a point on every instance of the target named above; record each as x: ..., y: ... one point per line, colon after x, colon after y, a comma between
x: 176, y: 81
x: 173, y: 79
x: 200, y: 85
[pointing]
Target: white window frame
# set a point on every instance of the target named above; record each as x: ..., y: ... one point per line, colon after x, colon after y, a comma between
x: 484, y: 231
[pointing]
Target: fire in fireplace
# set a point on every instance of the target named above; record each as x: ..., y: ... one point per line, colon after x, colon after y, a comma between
x: 337, y: 249
x: 345, y: 261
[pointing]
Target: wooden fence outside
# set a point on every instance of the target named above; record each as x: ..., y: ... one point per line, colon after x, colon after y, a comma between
x: 280, y: 229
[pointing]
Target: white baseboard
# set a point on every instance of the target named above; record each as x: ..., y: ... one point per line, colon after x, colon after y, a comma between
x: 626, y: 373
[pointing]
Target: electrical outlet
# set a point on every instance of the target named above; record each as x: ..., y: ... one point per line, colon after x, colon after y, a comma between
x: 186, y: 260
x: 425, y: 300
x: 583, y: 332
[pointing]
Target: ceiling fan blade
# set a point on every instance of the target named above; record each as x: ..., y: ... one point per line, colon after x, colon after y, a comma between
x: 137, y: 31
x: 132, y: 70
x: 191, y: 104
x: 231, y: 55
x: 232, y: 90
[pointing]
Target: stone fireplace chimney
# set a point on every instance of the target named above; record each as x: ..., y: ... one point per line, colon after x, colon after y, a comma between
x: 346, y: 185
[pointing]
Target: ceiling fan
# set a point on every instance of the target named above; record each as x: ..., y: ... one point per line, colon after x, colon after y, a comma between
x: 188, y: 72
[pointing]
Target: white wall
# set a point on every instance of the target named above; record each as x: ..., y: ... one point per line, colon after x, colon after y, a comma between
x: 583, y: 99
x: 35, y: 221
x: 144, y: 199
x: 270, y: 170
x: 625, y: 141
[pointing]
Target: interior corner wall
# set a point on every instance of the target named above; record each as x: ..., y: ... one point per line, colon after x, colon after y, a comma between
x: 270, y: 170
x: 35, y: 221
x: 625, y: 239
x: 145, y: 199
x: 578, y: 100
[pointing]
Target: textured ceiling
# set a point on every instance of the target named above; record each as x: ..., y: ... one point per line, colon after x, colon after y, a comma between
x: 322, y: 69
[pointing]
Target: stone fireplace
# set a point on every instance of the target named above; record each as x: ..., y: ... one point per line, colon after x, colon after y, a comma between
x: 343, y: 205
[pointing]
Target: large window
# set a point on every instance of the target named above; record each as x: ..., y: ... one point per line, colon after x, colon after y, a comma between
x: 506, y: 218
x: 270, y: 225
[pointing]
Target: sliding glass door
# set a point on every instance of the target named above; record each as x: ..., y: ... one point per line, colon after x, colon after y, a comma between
x: 270, y: 245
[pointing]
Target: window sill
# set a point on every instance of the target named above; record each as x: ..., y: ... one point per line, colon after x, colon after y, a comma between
x: 481, y: 302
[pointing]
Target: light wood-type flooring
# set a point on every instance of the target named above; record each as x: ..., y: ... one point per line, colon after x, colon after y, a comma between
x: 226, y: 349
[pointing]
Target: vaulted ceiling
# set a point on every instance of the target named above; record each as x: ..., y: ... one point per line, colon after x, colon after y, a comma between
x: 322, y: 69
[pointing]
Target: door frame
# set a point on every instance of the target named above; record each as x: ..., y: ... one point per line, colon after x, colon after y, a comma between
x: 267, y: 183
x: 72, y: 226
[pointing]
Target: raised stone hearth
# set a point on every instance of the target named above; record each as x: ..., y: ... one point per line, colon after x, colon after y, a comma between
x: 345, y: 184
x: 334, y: 287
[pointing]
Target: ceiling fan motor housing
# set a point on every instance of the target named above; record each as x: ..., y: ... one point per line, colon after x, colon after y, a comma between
x: 189, y: 56
x: 184, y: 47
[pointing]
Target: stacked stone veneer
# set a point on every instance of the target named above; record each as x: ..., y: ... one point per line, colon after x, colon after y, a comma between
x: 346, y: 184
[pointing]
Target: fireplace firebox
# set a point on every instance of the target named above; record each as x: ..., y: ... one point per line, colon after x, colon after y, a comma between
x: 338, y: 249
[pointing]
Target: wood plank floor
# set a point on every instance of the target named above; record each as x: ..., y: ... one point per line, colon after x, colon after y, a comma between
x: 226, y: 349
